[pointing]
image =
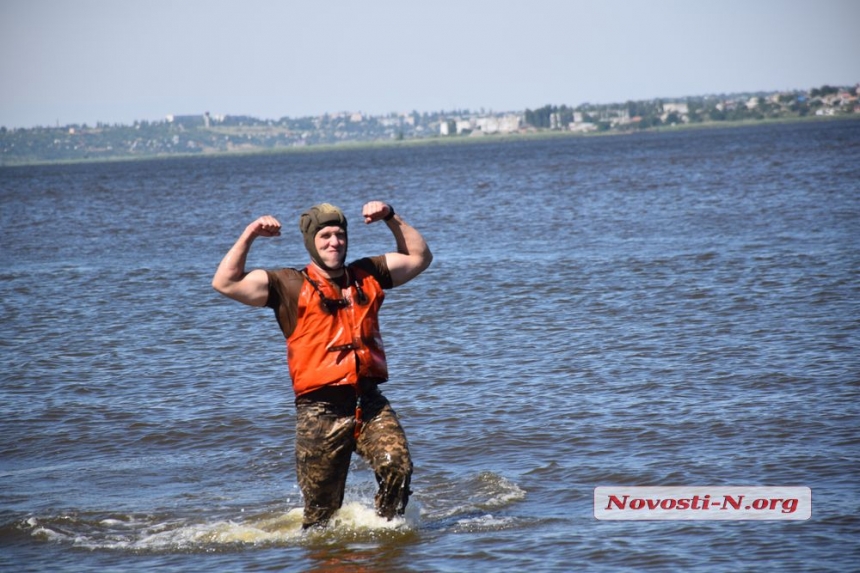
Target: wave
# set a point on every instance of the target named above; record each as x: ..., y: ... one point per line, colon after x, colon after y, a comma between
x: 473, y: 503
x: 171, y: 534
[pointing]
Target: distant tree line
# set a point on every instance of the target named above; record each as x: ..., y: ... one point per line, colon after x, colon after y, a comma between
x: 823, y: 91
x: 543, y: 117
x: 202, y: 134
x: 654, y: 113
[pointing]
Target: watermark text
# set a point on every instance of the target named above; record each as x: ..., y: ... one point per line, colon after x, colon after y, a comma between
x: 702, y: 503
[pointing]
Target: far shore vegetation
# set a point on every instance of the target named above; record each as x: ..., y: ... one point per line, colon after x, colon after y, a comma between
x: 207, y: 135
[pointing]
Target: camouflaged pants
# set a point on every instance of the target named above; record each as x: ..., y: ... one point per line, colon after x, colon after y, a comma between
x: 325, y: 440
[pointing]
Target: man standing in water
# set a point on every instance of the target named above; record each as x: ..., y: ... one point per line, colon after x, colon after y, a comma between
x: 328, y: 314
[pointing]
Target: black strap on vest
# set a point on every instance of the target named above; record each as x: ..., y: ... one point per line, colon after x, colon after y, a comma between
x: 332, y: 304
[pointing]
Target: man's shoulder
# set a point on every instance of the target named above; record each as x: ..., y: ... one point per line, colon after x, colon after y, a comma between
x: 287, y: 273
x: 377, y: 267
x: 284, y: 285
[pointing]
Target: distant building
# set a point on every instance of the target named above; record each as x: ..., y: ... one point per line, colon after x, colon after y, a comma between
x: 508, y: 123
x: 464, y: 125
x: 582, y: 127
x: 188, y: 120
x: 679, y: 108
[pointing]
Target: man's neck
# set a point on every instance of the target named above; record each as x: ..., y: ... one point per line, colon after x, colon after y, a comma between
x: 329, y: 273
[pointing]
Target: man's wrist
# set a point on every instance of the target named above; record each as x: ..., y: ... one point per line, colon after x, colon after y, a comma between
x: 390, y: 212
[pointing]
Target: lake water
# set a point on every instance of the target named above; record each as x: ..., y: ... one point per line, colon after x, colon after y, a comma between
x: 677, y: 308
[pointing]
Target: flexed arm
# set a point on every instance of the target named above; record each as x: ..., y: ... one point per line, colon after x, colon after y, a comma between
x: 412, y: 256
x: 231, y: 280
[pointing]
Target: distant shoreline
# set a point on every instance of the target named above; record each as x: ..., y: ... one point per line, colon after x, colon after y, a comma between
x: 430, y: 141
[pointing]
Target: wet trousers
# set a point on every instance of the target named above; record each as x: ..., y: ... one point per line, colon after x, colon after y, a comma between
x: 325, y: 440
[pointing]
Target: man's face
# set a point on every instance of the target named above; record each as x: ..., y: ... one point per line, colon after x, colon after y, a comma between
x: 330, y: 243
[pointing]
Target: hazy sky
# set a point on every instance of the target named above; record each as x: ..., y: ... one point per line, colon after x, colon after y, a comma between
x: 117, y: 61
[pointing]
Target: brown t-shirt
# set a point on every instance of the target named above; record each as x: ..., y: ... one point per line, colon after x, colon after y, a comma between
x: 286, y: 284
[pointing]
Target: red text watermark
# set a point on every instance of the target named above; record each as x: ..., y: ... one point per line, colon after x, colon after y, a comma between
x: 702, y: 503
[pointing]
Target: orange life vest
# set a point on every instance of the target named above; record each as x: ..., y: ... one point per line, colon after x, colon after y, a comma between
x: 341, y: 344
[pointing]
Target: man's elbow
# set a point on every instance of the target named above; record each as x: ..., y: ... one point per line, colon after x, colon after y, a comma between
x: 420, y: 264
x: 221, y: 286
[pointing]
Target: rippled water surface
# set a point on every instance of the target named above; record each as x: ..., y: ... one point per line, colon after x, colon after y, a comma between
x: 661, y: 309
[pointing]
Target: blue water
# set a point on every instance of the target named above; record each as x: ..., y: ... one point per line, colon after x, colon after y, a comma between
x: 678, y: 308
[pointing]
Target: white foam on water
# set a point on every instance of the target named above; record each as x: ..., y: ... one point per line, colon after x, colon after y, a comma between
x: 485, y: 523
x: 284, y: 528
x: 358, y: 516
x: 472, y: 504
x: 354, y: 519
x: 497, y: 491
x: 48, y: 534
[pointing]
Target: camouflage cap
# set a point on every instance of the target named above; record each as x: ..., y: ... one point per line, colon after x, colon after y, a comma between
x: 316, y: 218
